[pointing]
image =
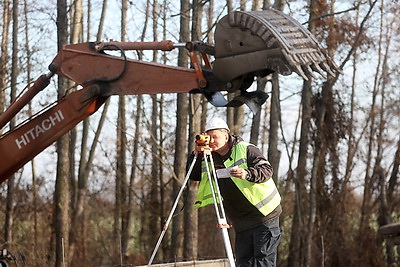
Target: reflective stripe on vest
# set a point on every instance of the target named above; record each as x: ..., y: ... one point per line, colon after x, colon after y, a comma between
x: 264, y: 196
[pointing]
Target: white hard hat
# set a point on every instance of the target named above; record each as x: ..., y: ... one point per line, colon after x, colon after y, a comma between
x: 216, y: 123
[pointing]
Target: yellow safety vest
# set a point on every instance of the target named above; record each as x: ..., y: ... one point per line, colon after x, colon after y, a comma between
x: 264, y: 196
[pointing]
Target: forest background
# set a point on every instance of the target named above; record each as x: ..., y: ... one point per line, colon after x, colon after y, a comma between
x: 100, y: 195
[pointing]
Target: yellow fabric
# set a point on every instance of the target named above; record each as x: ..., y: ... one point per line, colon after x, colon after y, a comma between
x: 264, y: 196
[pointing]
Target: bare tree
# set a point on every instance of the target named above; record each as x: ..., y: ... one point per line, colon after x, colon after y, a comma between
x: 132, y: 195
x: 181, y: 131
x: 121, y: 184
x: 30, y: 113
x: 366, y: 210
x: 8, y: 223
x: 379, y: 172
x: 76, y: 14
x: 61, y: 193
x: 78, y: 233
x: 101, y: 22
x: 4, y: 54
x: 261, y: 86
x: 195, y: 114
x: 274, y: 154
x: 235, y: 115
x: 319, y: 150
x: 76, y: 21
x: 296, y: 256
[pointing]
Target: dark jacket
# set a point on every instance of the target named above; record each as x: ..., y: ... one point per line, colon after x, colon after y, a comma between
x: 241, y: 213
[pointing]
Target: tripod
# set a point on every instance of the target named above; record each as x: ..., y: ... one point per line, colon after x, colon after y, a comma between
x: 219, y: 208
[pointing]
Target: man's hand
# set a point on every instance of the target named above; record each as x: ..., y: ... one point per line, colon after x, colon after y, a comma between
x: 239, y: 173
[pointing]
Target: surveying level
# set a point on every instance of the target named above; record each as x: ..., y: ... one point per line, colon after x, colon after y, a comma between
x: 203, y: 141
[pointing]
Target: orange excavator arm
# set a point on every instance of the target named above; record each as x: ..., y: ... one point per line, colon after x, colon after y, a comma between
x: 247, y: 44
x: 29, y: 139
x: 101, y: 76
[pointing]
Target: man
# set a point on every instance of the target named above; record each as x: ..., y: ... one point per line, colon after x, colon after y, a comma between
x: 250, y: 197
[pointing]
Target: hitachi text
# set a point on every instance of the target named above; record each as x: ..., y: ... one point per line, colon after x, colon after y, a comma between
x: 39, y: 129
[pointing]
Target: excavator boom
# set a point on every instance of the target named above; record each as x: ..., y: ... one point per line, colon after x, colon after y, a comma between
x: 85, y: 64
x: 247, y: 45
x: 26, y: 141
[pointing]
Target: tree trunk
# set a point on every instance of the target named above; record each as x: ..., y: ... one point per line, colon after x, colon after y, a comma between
x: 154, y: 194
x: 300, y: 180
x: 76, y: 21
x: 154, y: 201
x: 33, y: 169
x: 61, y: 194
x: 77, y: 234
x: 89, y: 21
x: 101, y: 22
x: 182, y: 244
x: 126, y: 236
x: 274, y: 154
x: 393, y: 177
x: 255, y: 5
x: 191, y: 215
x: 351, y: 142
x: 76, y: 13
x: 177, y: 238
x: 229, y: 6
x: 319, y: 153
x: 131, y: 194
x: 385, y: 212
x: 161, y: 166
x: 9, y: 216
x: 122, y: 171
x: 234, y: 116
x: 261, y: 85
x: 120, y: 178
x: 256, y: 121
x: 4, y: 53
x: 366, y: 210
x: 297, y: 242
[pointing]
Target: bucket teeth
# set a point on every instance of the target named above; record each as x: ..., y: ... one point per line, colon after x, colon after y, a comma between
x: 290, y: 47
x: 300, y: 72
x: 317, y: 68
x: 307, y: 69
x: 325, y: 67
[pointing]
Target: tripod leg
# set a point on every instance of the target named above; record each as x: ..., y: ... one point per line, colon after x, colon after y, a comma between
x: 165, y: 228
x: 219, y: 209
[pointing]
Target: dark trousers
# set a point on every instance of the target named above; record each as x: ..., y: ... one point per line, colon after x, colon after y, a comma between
x: 257, y: 247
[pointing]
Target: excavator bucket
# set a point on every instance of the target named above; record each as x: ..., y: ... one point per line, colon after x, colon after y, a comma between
x: 261, y: 42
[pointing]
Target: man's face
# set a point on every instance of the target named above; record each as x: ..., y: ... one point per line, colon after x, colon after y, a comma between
x: 218, y: 140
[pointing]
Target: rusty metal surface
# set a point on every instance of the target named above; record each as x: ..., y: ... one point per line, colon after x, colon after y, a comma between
x: 26, y: 141
x: 16, y: 106
x: 165, y: 45
x: 83, y: 64
x: 268, y: 40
